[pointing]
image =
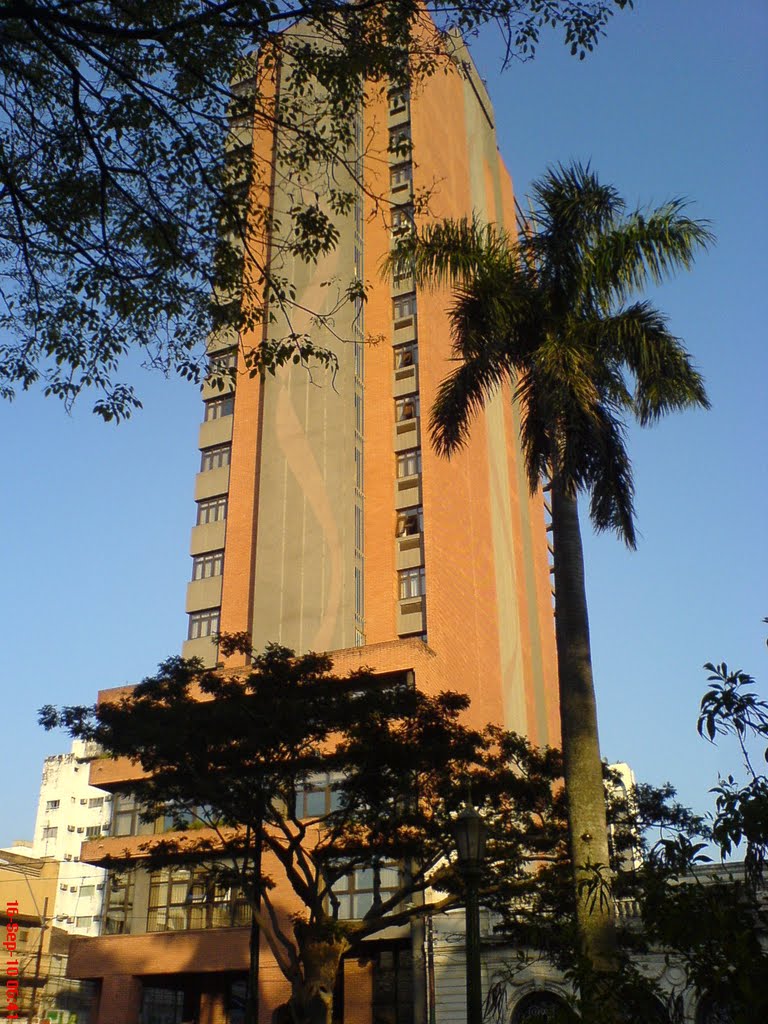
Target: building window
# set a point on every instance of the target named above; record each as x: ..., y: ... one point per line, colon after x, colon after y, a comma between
x: 400, y: 141
x: 83, y: 922
x: 119, y: 903
x: 212, y: 510
x: 409, y: 463
x: 165, y: 1005
x: 404, y: 308
x: 203, y: 623
x: 127, y: 818
x: 357, y: 891
x: 209, y: 564
x: 411, y: 583
x: 221, y: 361
x: 216, y: 457
x: 93, y: 831
x: 410, y: 521
x: 87, y: 890
x: 96, y: 801
x: 407, y: 408
x: 359, y: 593
x: 184, y: 898
x: 542, y: 1008
x: 402, y: 220
x: 52, y: 805
x: 215, y: 408
x: 406, y: 355
x: 398, y: 100
x: 50, y: 832
x: 317, y: 797
x: 400, y: 177
x: 358, y: 528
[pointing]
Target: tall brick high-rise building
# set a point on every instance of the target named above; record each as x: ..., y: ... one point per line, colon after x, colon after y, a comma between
x: 326, y: 522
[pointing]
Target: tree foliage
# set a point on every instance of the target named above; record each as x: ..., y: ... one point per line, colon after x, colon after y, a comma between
x: 229, y: 757
x: 124, y: 218
x: 731, y: 707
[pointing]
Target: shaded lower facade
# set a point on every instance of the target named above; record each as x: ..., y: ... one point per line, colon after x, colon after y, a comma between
x: 396, y: 981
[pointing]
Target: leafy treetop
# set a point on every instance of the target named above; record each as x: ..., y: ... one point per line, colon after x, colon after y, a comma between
x: 124, y: 218
x: 233, y: 754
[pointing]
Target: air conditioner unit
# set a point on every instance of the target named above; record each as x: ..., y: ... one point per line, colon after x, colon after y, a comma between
x: 70, y: 828
x: 100, y: 886
x: 76, y: 859
x: 81, y: 829
x: 67, y: 856
x: 107, y: 799
x: 61, y: 917
x: 73, y: 888
x: 84, y: 801
x: 106, y: 826
x: 62, y: 886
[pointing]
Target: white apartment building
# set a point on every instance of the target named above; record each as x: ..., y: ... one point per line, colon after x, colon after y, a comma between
x: 70, y: 811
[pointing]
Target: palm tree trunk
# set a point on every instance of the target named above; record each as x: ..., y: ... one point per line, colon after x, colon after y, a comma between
x: 581, y: 748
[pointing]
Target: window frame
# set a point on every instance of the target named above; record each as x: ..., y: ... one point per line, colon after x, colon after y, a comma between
x: 411, y: 583
x: 402, y: 354
x: 219, y: 407
x: 400, y: 176
x: 404, y: 309
x: 407, y: 518
x: 205, y: 560
x: 407, y: 408
x: 359, y: 885
x: 186, y: 898
x: 217, y: 456
x: 217, y: 504
x: 208, y: 619
x: 406, y: 459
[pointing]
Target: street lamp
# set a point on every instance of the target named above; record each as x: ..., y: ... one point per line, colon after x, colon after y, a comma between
x: 469, y: 833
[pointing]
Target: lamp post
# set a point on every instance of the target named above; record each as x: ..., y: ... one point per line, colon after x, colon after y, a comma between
x: 469, y: 833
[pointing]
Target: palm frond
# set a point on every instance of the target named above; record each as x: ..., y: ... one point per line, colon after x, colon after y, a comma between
x: 535, y: 423
x: 451, y: 252
x: 609, y: 478
x: 665, y: 378
x: 572, y: 206
x: 646, y: 247
x: 460, y: 397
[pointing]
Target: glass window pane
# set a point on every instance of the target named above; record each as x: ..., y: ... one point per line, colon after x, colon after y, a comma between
x: 389, y: 878
x: 364, y: 878
x: 314, y: 803
x: 345, y: 907
x: 362, y: 904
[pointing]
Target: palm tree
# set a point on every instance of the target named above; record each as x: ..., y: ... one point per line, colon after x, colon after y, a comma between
x: 549, y: 314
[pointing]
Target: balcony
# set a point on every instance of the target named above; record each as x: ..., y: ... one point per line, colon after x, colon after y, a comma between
x: 207, y: 537
x: 212, y: 481
x: 411, y: 615
x: 204, y: 594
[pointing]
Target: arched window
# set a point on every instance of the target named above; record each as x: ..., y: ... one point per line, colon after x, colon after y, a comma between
x: 543, y: 1008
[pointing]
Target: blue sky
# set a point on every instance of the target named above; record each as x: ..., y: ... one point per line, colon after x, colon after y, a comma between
x: 96, y: 519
